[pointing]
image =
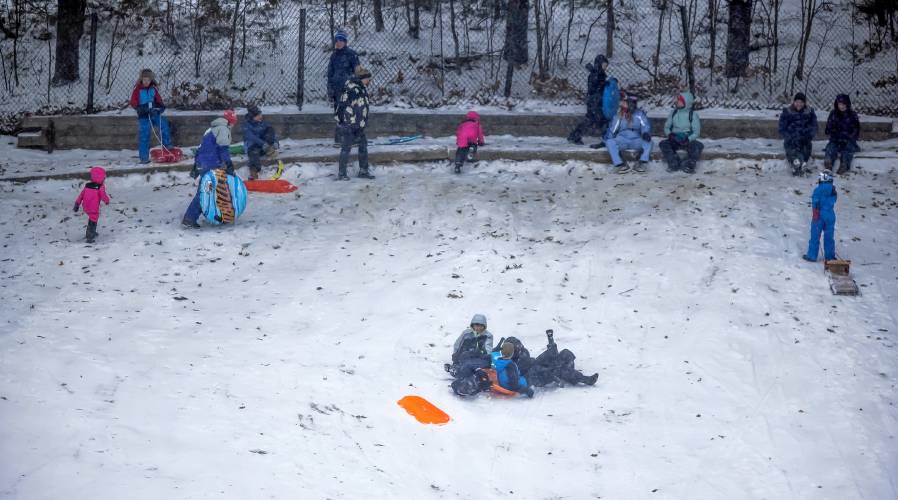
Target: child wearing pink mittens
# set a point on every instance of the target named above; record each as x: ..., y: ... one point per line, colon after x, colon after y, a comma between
x: 90, y: 197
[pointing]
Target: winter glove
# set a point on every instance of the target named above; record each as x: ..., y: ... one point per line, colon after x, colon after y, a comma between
x: 76, y: 208
x: 230, y: 169
x: 143, y: 111
x: 647, y: 137
x: 528, y: 392
x: 816, y: 215
x: 679, y: 139
x: 195, y: 171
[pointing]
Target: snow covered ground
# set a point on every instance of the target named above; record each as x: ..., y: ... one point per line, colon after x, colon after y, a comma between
x: 264, y: 360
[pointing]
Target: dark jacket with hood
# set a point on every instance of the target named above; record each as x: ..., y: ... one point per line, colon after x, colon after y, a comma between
x: 797, y: 125
x: 339, y: 70
x: 843, y: 126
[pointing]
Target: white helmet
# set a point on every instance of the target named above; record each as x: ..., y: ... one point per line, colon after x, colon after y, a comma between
x: 825, y: 176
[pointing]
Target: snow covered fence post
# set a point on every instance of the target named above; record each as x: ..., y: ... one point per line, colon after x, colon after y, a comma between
x: 301, y: 59
x: 92, y: 62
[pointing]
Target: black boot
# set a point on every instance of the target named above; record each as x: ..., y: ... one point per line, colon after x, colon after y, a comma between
x: 186, y: 222
x: 689, y: 167
x: 341, y: 175
x: 458, y: 168
x: 365, y: 174
x: 590, y: 380
x: 91, y: 234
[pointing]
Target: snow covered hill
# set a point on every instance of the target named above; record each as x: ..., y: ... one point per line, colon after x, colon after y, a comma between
x: 265, y: 360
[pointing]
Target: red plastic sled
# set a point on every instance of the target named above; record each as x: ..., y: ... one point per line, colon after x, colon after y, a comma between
x: 270, y: 186
x: 423, y: 410
x: 166, y: 155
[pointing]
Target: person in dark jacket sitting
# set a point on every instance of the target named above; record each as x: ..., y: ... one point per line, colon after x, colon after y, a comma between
x: 258, y: 139
x: 843, y: 128
x: 342, y: 63
x: 507, y: 372
x: 472, y: 348
x: 798, y: 126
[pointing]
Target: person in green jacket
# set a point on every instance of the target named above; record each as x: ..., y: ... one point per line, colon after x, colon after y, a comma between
x: 682, y: 129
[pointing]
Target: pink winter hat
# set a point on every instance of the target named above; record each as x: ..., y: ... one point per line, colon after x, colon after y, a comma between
x: 97, y: 175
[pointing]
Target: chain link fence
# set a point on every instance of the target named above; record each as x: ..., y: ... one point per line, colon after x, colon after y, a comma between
x: 211, y: 54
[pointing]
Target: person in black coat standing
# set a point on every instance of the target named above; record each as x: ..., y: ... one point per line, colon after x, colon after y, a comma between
x: 595, y: 86
x: 340, y: 69
x: 843, y: 128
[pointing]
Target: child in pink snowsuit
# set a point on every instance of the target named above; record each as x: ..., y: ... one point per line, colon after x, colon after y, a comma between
x: 90, y: 197
x: 468, y: 136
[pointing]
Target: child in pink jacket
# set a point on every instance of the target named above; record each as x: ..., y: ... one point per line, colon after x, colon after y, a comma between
x: 90, y: 197
x: 468, y: 136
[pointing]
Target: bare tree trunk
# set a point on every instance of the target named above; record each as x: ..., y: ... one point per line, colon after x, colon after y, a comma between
x: 69, y: 28
x: 570, y: 22
x: 417, y: 16
x: 808, y: 11
x: 776, y: 34
x: 687, y: 44
x: 345, y: 12
x: 378, y: 15
x: 738, y: 38
x: 609, y: 31
x: 657, y: 59
x: 452, y: 26
x: 539, y: 40
x: 712, y: 32
x: 233, y: 41
x: 331, y: 21
x: 509, y: 74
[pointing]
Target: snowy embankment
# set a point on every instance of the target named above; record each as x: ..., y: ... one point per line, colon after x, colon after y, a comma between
x: 29, y: 163
x: 266, y: 359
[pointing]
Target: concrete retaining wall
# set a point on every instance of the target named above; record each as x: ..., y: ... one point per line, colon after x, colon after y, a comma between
x: 120, y: 131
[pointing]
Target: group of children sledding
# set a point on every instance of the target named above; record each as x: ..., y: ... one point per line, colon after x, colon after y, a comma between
x: 508, y: 368
x: 613, y: 113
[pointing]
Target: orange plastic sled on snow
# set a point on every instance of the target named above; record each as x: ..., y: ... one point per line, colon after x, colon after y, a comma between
x: 423, y: 410
x: 270, y: 186
x: 494, y: 383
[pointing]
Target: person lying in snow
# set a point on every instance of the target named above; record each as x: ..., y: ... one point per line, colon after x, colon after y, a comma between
x: 472, y: 349
x: 550, y: 367
x: 468, y: 136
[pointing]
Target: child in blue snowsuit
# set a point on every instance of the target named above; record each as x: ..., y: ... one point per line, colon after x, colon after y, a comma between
x: 507, y: 372
x: 258, y: 139
x: 823, y: 203
x: 147, y: 101
x: 213, y: 153
x: 629, y: 129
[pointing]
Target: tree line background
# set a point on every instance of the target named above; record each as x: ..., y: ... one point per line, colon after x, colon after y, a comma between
x: 215, y: 53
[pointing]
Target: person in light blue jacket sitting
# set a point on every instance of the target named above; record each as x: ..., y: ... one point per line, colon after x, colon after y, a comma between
x: 629, y: 129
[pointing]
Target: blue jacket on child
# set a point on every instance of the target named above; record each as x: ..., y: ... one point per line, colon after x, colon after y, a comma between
x: 508, y: 374
x: 213, y: 151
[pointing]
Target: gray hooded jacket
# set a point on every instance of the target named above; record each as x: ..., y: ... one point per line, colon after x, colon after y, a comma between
x: 469, y: 333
